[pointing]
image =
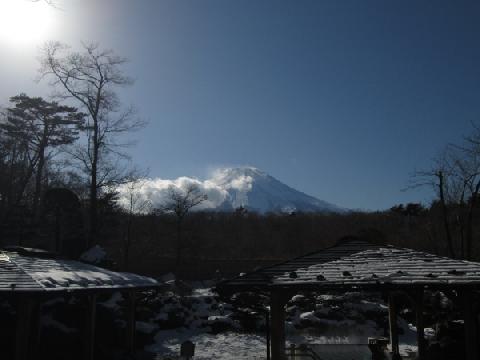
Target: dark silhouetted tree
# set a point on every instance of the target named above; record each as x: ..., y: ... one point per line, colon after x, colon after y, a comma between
x: 465, y: 165
x: 91, y: 78
x: 135, y: 204
x: 42, y: 126
x: 179, y: 203
x: 440, y: 178
x: 455, y: 176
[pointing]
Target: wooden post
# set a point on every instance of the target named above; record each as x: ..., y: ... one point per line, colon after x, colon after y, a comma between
x: 471, y: 325
x: 392, y: 320
x: 89, y: 335
x: 131, y: 321
x: 267, y: 326
x: 36, y: 326
x: 292, y: 351
x: 420, y: 325
x: 24, y: 326
x: 277, y: 310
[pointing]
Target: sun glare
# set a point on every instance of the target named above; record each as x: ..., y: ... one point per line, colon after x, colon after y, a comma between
x: 24, y: 22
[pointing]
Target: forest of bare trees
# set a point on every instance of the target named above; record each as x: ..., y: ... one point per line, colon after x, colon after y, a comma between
x: 455, y: 178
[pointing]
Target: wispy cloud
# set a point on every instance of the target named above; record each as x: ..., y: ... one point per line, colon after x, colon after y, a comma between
x: 227, y: 188
x: 155, y: 191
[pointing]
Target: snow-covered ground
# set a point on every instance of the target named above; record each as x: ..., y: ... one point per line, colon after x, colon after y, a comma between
x: 236, y: 345
x: 217, y: 332
x: 227, y: 345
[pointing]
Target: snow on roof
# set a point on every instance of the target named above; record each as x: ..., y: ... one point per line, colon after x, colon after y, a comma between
x: 31, y: 273
x: 357, y: 263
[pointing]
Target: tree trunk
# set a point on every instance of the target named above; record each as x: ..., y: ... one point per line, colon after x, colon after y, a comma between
x: 38, y: 186
x: 179, y: 247
x: 461, y: 224
x: 24, y: 183
x: 93, y: 208
x: 7, y: 202
x: 128, y: 242
x: 93, y: 187
x: 445, y: 215
x: 38, y: 177
x: 469, y: 231
x: 58, y: 239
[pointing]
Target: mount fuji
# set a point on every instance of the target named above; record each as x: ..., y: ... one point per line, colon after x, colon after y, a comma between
x: 256, y: 190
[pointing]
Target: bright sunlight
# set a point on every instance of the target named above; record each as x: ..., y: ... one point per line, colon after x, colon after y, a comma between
x: 24, y: 22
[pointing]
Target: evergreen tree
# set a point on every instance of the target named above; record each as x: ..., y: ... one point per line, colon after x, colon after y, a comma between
x: 41, y: 126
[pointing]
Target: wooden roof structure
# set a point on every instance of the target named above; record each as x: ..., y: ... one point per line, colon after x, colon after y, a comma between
x: 25, y: 270
x: 29, y: 276
x: 358, y: 264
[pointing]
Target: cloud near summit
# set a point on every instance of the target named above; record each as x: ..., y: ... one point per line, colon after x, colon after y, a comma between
x: 155, y: 190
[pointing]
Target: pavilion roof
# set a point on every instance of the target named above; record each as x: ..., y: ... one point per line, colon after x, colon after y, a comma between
x: 35, y: 272
x: 360, y: 264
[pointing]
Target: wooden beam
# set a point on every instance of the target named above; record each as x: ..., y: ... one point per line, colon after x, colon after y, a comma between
x: 131, y: 297
x: 89, y: 331
x: 277, y: 311
x: 471, y: 325
x: 392, y: 320
x: 25, y: 322
x: 420, y: 325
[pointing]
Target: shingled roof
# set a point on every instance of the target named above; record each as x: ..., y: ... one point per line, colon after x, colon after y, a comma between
x: 36, y: 272
x: 360, y: 264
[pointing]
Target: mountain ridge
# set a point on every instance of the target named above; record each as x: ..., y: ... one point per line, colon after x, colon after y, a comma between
x: 256, y: 190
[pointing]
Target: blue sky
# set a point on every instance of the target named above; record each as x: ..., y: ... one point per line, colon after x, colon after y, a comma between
x: 340, y: 99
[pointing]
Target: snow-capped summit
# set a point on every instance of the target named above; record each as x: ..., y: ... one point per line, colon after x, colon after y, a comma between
x: 255, y: 190
x: 227, y: 190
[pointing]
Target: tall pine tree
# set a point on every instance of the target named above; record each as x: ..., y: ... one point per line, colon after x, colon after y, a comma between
x: 42, y: 126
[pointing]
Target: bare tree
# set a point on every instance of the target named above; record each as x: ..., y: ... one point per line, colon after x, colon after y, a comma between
x: 439, y: 178
x: 455, y: 176
x: 135, y: 204
x: 91, y: 78
x: 466, y: 169
x: 179, y: 203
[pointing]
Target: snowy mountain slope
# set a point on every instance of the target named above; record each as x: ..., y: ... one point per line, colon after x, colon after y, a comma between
x: 256, y: 190
x: 227, y: 190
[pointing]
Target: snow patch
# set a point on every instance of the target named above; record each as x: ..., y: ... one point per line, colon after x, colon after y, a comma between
x: 94, y: 255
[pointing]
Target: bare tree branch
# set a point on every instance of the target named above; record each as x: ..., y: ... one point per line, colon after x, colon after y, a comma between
x: 179, y: 203
x: 92, y: 77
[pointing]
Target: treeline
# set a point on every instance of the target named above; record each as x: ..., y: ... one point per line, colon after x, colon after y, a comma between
x: 240, y: 241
